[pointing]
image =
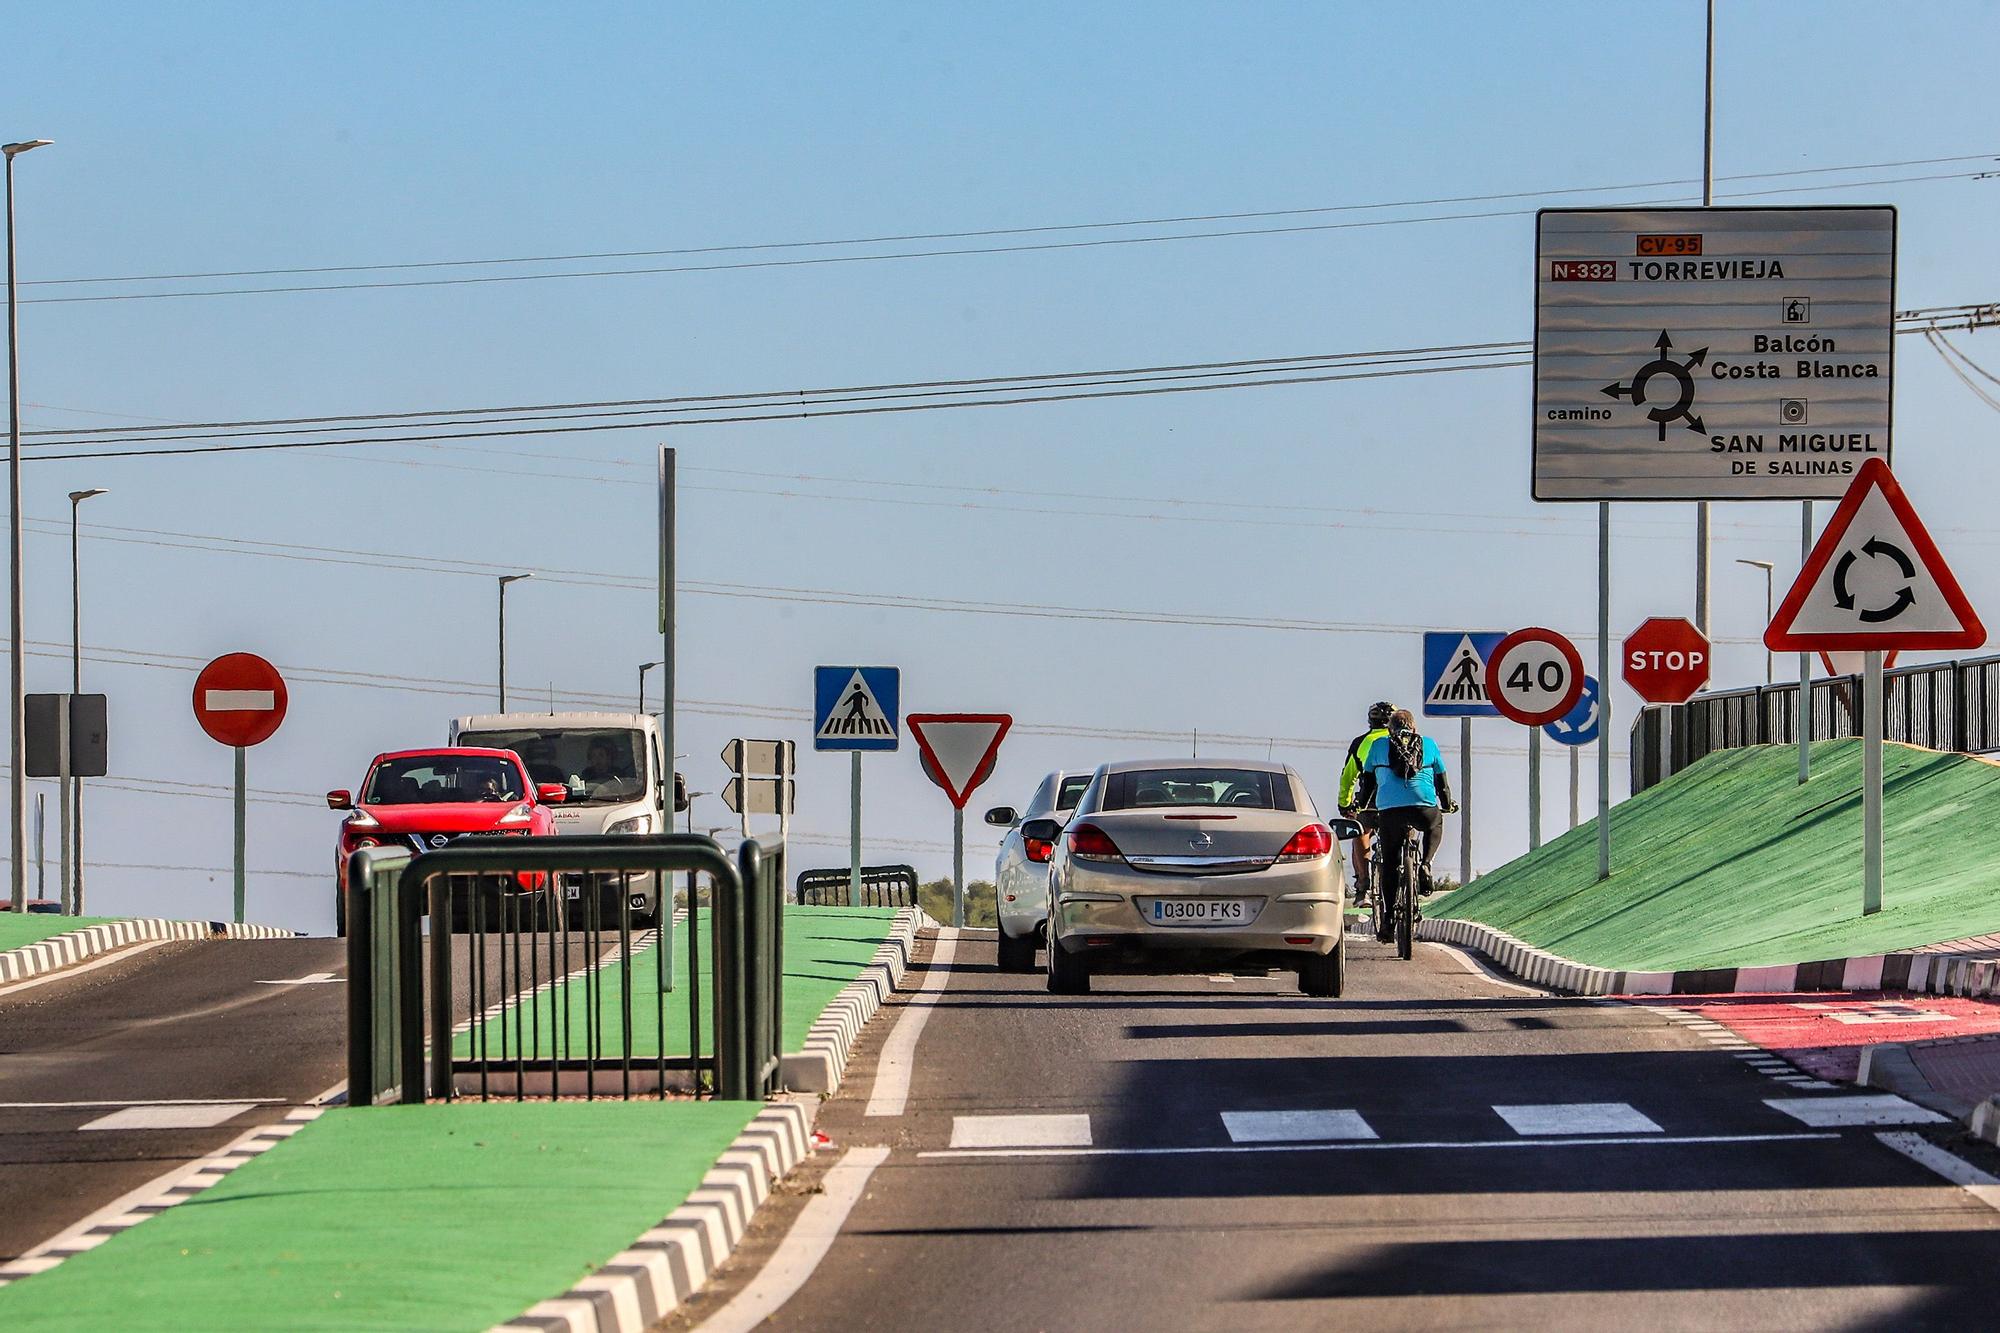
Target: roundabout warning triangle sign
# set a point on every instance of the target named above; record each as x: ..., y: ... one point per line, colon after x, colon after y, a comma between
x: 1875, y: 581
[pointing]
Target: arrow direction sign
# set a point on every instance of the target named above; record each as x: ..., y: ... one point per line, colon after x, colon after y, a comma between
x: 959, y: 749
x: 1875, y: 581
x: 759, y: 796
x: 762, y: 759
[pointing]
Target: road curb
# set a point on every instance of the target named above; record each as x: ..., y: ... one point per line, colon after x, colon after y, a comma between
x: 819, y: 1065
x: 669, y: 1263
x: 74, y: 946
x: 1924, y: 973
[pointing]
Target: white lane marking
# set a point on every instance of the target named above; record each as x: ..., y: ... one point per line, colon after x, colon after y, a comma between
x: 1952, y: 1167
x: 1379, y: 1145
x: 1577, y: 1118
x: 800, y: 1252
x: 1825, y: 1112
x: 1470, y: 964
x: 171, y: 1117
x: 115, y: 956
x: 144, y: 1101
x: 1020, y: 1131
x: 1296, y: 1126
x: 239, y: 701
x: 310, y: 979
x: 891, y: 1092
x: 1810, y: 1084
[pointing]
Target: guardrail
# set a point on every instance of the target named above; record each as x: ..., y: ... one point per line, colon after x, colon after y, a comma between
x: 1939, y: 705
x: 510, y: 995
x: 881, y: 886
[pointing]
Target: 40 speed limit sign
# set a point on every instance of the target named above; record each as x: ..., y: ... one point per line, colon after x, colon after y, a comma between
x: 1534, y: 676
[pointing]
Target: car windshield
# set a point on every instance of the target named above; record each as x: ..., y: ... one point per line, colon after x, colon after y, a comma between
x: 433, y: 779
x: 598, y: 765
x: 1242, y: 788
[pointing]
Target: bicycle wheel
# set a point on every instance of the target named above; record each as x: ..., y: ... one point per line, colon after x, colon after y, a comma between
x: 1406, y: 901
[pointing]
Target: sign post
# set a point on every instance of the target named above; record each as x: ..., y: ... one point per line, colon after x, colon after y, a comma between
x: 958, y: 750
x: 1455, y: 686
x: 1875, y: 582
x: 66, y: 739
x: 240, y: 701
x: 856, y: 709
x: 1534, y: 677
x: 1580, y: 726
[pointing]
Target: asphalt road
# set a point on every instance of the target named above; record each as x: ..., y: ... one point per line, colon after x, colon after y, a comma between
x: 231, y: 1032
x: 1680, y: 1199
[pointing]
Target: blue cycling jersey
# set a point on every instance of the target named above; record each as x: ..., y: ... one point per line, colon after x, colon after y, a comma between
x: 1394, y: 793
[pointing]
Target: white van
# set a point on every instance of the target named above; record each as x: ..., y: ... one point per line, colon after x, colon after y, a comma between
x: 609, y: 763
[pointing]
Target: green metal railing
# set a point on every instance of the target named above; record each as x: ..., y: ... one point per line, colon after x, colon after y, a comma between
x: 881, y: 886
x: 520, y: 997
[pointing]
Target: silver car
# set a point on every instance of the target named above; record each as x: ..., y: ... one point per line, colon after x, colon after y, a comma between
x: 1186, y: 865
x: 1021, y: 873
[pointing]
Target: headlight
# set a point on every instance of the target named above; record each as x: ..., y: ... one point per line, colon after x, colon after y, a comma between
x: 362, y: 819
x: 520, y: 814
x: 636, y: 824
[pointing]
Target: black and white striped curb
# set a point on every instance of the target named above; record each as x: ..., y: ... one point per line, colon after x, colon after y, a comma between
x: 1930, y: 973
x: 73, y: 946
x: 668, y: 1264
x: 819, y: 1064
x: 182, y: 1187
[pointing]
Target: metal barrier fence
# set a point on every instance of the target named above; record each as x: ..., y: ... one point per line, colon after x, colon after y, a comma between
x: 510, y: 995
x: 881, y: 886
x: 1939, y: 705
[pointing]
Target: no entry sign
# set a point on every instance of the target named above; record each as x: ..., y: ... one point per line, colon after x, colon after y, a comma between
x: 1666, y: 660
x: 239, y: 699
x: 1534, y: 676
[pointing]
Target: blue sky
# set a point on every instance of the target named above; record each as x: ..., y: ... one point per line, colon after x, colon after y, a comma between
x: 209, y: 137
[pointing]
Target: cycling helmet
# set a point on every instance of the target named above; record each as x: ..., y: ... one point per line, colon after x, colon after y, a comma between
x: 1380, y: 712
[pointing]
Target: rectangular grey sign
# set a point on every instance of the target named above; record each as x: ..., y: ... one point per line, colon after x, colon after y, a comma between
x: 1711, y: 353
x: 89, y: 752
x: 761, y: 795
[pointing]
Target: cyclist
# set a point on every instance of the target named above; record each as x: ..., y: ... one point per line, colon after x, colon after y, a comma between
x: 1405, y: 782
x: 1350, y: 778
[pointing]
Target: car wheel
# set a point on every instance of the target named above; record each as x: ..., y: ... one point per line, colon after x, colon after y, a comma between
x: 1068, y: 973
x: 1016, y: 955
x: 1325, y: 975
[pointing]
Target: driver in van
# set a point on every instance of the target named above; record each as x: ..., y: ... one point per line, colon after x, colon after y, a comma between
x: 600, y: 770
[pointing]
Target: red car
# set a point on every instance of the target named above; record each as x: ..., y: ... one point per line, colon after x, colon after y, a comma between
x: 426, y: 799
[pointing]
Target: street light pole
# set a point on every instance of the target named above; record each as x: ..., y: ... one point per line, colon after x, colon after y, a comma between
x: 72, y: 793
x: 644, y: 667
x: 17, y: 801
x: 505, y: 579
x: 1767, y: 567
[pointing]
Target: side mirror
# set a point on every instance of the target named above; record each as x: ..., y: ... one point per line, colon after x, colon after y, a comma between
x: 1042, y: 830
x: 1344, y: 829
x: 552, y: 793
x: 340, y: 800
x: 1002, y: 816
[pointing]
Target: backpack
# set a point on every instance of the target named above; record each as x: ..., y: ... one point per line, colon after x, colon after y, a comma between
x: 1406, y: 753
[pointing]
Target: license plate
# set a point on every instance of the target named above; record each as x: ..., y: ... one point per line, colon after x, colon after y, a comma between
x: 1199, y: 911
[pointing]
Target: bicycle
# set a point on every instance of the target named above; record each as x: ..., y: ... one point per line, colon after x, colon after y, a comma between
x: 1403, y: 911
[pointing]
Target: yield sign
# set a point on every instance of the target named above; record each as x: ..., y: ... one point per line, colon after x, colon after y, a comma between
x: 1875, y: 581
x: 959, y: 748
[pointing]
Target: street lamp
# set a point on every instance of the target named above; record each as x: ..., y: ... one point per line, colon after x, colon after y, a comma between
x: 17, y: 804
x: 505, y: 579
x: 644, y: 667
x: 72, y: 798
x: 1767, y: 567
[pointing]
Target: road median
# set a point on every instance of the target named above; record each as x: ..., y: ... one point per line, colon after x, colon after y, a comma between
x: 31, y: 946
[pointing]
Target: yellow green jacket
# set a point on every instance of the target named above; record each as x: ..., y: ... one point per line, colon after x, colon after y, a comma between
x: 1350, y: 773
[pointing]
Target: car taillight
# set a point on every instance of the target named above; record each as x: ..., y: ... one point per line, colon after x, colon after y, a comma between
x: 1091, y: 843
x: 1037, y: 850
x: 1309, y: 843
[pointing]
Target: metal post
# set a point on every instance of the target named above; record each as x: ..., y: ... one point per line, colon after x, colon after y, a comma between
x: 75, y: 837
x: 1604, y: 690
x: 958, y: 866
x: 503, y: 647
x: 1534, y: 788
x: 1575, y: 784
x: 1701, y: 510
x: 1465, y: 801
x: 668, y: 612
x: 239, y: 835
x: 1805, y: 659
x: 62, y: 794
x: 1871, y: 785
x: 17, y: 717
x: 854, y: 830
x: 41, y: 845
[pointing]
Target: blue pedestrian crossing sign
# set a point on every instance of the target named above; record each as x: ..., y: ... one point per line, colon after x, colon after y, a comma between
x: 1455, y: 672
x: 857, y: 708
x: 1581, y: 724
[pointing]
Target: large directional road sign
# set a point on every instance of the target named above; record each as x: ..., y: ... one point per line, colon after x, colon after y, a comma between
x: 1875, y: 581
x: 1455, y: 672
x: 1534, y: 676
x: 1666, y: 660
x: 1711, y: 353
x: 856, y: 708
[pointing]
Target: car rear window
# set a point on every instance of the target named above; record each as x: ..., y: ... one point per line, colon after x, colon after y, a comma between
x: 1241, y: 788
x: 1072, y: 791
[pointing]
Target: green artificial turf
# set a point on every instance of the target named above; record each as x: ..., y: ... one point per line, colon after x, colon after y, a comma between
x: 20, y: 929
x: 445, y: 1216
x: 825, y: 948
x: 1731, y: 863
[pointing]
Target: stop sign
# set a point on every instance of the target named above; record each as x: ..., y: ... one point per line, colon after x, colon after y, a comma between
x: 239, y: 699
x: 1666, y: 660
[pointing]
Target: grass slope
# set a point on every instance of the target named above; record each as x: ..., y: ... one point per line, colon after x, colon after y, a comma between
x: 1731, y: 863
x: 17, y: 932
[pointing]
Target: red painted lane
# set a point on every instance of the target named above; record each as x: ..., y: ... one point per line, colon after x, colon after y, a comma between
x: 1822, y: 1032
